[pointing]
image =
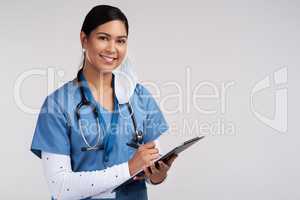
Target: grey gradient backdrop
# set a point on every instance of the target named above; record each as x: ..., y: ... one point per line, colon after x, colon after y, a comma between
x: 218, y: 41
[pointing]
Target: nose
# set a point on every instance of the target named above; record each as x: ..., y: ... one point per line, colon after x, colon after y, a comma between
x: 111, y: 47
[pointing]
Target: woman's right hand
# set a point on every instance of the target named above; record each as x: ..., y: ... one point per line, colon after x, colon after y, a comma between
x: 143, y: 157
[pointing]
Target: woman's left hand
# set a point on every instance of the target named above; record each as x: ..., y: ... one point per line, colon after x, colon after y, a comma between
x: 157, y: 175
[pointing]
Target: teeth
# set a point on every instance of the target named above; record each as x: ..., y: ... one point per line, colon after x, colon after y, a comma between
x: 108, y: 59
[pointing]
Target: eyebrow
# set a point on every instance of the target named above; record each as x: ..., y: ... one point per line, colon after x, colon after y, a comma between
x: 121, y: 36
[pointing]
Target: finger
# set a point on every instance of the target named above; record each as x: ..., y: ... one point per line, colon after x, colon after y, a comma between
x: 154, y: 156
x: 152, y: 151
x: 154, y: 169
x: 163, y: 166
x: 138, y: 178
x: 147, y: 172
x: 149, y: 145
x: 171, y: 160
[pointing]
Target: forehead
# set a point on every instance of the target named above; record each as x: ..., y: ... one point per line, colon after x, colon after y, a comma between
x: 114, y: 28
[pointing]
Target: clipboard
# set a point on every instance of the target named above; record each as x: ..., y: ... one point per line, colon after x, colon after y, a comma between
x: 177, y: 150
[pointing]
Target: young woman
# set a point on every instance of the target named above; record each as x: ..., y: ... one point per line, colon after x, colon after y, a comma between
x: 99, y: 129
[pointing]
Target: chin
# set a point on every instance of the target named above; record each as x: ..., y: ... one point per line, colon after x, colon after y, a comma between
x: 101, y: 67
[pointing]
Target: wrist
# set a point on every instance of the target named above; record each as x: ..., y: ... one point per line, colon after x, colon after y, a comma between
x: 156, y: 181
x: 132, y: 167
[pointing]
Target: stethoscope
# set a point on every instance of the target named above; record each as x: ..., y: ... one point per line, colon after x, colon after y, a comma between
x: 135, y: 142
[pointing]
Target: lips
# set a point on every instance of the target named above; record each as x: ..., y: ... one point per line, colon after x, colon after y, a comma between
x: 108, y: 59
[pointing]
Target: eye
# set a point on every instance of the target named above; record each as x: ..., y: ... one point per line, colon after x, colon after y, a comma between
x: 104, y: 38
x: 121, y: 41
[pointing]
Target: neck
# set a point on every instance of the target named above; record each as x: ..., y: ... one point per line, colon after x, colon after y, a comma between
x: 98, y: 80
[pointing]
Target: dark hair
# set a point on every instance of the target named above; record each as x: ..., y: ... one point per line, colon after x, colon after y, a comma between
x: 101, y: 14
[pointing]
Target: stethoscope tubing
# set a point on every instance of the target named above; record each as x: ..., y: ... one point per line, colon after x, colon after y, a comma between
x: 138, y: 135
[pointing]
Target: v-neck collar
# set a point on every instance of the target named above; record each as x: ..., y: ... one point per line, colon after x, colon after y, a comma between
x: 89, y: 95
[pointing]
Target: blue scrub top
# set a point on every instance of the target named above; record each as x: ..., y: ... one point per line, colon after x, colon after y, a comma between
x: 57, y: 128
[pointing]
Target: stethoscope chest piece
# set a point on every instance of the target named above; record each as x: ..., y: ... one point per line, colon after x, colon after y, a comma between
x: 137, y: 140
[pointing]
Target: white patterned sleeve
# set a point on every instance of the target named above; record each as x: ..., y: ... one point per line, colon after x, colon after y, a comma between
x: 64, y: 184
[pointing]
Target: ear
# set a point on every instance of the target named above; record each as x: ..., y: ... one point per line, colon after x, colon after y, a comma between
x: 83, y: 40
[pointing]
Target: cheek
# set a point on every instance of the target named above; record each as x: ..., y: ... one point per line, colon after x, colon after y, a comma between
x: 95, y: 46
x: 98, y: 47
x: 93, y: 52
x: 122, y: 52
x: 121, y: 57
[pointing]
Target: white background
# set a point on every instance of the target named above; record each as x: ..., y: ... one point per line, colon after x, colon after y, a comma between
x: 218, y: 41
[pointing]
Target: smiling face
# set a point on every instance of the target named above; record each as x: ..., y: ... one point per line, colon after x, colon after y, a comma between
x: 106, y: 46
